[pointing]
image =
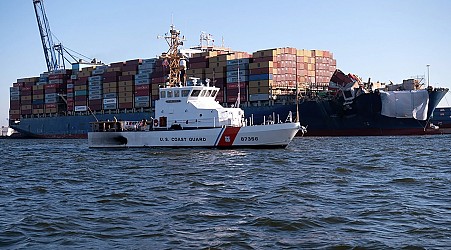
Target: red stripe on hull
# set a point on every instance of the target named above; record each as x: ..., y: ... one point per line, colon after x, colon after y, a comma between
x: 228, y: 137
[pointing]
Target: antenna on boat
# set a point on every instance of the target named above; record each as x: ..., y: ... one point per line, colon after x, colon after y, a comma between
x: 172, y: 57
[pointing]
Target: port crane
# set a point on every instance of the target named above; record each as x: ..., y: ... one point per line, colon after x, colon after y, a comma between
x: 54, y: 53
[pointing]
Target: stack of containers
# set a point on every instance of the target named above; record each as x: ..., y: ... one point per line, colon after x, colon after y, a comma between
x: 261, y: 74
x: 70, y: 88
x: 81, y: 89
x: 26, y: 94
x: 126, y: 85
x: 95, y: 87
x: 237, y: 77
x: 143, y: 81
x: 54, y: 90
x: 14, y: 102
x: 217, y: 72
x: 110, y: 84
x: 158, y: 78
x: 198, y: 63
x: 38, y: 94
x: 285, y: 71
x: 325, y: 66
x: 199, y: 68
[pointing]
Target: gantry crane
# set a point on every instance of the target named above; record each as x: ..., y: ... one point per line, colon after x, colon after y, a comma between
x: 54, y: 52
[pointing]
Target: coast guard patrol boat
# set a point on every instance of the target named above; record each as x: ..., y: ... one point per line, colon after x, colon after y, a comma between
x: 187, y: 115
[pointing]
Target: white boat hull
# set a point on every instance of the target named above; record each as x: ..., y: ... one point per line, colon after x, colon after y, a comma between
x: 266, y: 136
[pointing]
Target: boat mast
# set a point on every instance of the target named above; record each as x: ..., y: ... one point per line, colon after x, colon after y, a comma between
x: 172, y: 56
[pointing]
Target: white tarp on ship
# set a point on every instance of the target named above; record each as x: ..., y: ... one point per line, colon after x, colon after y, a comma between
x: 405, y: 104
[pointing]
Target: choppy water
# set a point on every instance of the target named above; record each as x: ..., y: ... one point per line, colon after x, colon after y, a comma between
x: 339, y: 193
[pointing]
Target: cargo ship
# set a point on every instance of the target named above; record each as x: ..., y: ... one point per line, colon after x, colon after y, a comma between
x: 63, y: 107
x: 268, y: 84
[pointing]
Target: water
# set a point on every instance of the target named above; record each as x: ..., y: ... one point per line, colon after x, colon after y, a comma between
x: 322, y: 193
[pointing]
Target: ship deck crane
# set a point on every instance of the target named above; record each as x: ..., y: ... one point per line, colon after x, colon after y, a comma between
x: 54, y: 53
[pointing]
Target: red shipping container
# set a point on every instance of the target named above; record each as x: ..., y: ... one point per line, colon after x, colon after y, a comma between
x: 199, y: 65
x: 117, y: 64
x: 201, y: 59
x: 142, y: 92
x: 234, y: 98
x: 95, y: 106
x: 80, y: 103
x: 81, y: 98
x: 54, y: 77
x: 130, y: 68
x: 142, y: 87
x: 95, y: 102
x: 126, y: 105
x: 111, y: 74
x: 26, y: 92
x: 125, y: 78
x: 50, y: 105
x: 14, y: 117
x: 108, y: 79
x: 18, y: 84
x: 134, y: 62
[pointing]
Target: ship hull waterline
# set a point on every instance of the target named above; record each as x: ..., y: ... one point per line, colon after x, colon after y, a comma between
x: 260, y: 136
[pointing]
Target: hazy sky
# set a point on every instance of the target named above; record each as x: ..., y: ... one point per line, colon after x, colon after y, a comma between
x: 385, y: 40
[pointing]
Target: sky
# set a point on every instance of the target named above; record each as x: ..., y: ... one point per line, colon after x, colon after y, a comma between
x: 383, y: 40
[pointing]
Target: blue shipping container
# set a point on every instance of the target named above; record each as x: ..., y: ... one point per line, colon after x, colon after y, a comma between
x: 260, y: 77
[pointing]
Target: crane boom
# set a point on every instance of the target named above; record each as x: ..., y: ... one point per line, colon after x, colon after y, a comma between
x: 46, y: 37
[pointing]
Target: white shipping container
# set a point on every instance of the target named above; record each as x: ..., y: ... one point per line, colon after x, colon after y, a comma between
x: 98, y: 72
x: 142, y: 81
x: 142, y: 76
x: 95, y: 92
x: 109, y: 95
x: 142, y: 104
x: 51, y: 95
x: 142, y: 98
x: 146, y: 66
x: 81, y: 108
x: 95, y: 87
x: 56, y: 81
x: 146, y: 71
x: 110, y: 106
x: 95, y: 97
x: 50, y: 100
x: 70, y: 85
x: 95, y: 83
x: 109, y: 101
x: 259, y: 97
x: 15, y: 98
x: 95, y: 78
x: 149, y: 61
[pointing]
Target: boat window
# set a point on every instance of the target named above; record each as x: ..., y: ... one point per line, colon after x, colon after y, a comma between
x: 185, y: 92
x: 208, y: 94
x: 176, y: 93
x: 195, y: 93
x: 169, y: 95
x: 202, y: 94
x: 163, y: 94
x: 213, y: 93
